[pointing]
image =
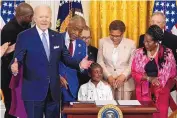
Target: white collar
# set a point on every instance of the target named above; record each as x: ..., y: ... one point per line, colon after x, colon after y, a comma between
x: 40, y: 31
x: 67, y: 37
x: 99, y: 85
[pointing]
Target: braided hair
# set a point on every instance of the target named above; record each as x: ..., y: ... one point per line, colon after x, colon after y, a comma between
x: 157, y: 35
x: 155, y: 32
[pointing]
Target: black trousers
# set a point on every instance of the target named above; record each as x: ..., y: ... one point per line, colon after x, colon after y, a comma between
x: 5, y: 81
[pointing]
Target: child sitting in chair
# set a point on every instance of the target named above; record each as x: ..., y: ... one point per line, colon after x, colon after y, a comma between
x: 95, y: 89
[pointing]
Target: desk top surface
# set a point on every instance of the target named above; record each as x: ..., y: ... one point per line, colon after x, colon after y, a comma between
x: 90, y: 108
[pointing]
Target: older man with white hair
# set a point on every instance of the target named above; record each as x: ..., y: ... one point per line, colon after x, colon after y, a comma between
x: 39, y: 50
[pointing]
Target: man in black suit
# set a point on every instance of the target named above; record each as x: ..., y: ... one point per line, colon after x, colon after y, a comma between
x: 91, y: 52
x: 21, y: 22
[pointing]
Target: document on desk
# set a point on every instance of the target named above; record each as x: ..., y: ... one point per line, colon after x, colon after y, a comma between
x: 82, y: 102
x: 105, y: 102
x: 129, y: 102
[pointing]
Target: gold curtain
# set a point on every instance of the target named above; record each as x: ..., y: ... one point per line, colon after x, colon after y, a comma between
x: 135, y: 15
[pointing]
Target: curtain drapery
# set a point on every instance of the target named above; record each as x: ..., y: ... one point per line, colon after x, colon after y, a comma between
x: 135, y: 15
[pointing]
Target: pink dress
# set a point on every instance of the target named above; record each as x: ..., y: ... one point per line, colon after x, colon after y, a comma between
x: 166, y: 74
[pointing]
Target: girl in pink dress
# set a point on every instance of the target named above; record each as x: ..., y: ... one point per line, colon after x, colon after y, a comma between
x: 153, y: 67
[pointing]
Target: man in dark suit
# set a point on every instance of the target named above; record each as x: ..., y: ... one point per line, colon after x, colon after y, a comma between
x: 40, y: 50
x: 91, y: 52
x: 19, y: 23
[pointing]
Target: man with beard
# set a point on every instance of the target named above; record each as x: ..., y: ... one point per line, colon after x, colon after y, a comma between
x: 21, y: 22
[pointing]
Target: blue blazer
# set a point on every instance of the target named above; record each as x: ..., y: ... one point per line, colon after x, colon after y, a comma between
x: 71, y: 74
x: 39, y: 72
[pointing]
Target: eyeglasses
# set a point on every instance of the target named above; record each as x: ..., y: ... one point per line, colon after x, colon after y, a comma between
x: 86, y: 38
x: 116, y: 36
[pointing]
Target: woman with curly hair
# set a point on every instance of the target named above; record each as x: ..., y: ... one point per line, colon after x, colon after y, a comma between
x: 153, y: 66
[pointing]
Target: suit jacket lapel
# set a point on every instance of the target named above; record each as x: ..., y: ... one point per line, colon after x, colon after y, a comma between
x: 121, y: 51
x: 76, y: 49
x: 89, y: 51
x: 39, y: 42
x: 51, y: 40
x: 110, y: 48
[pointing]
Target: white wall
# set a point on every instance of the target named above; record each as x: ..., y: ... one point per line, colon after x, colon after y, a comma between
x: 54, y: 4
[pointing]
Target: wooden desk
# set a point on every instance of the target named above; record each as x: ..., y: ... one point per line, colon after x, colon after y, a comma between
x: 145, y: 110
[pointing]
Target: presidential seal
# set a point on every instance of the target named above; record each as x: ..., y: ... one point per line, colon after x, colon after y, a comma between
x: 110, y: 111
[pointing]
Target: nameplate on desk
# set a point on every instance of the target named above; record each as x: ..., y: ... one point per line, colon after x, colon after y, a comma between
x: 129, y: 102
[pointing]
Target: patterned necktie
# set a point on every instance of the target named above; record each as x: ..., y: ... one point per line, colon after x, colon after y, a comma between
x: 44, y: 41
x: 71, y: 47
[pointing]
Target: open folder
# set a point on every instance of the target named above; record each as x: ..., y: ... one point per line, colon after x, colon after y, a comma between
x: 106, y: 102
x: 117, y: 102
x: 129, y: 102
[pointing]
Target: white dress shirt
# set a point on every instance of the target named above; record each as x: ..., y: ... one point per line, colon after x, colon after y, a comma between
x: 89, y: 92
x: 67, y: 41
x: 46, y: 35
x: 114, y: 56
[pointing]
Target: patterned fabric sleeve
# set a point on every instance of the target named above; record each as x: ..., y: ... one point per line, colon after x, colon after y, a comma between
x: 168, y: 70
x: 136, y: 74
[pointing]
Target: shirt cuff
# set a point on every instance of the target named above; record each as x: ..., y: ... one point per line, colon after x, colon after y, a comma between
x: 82, y: 70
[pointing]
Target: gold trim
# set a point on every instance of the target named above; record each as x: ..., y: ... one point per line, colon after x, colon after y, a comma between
x: 110, y: 106
x: 65, y: 23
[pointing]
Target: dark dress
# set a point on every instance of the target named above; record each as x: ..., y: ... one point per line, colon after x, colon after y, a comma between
x: 151, y: 68
x: 151, y: 71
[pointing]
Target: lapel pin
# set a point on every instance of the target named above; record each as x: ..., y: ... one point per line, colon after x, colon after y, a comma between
x: 79, y: 45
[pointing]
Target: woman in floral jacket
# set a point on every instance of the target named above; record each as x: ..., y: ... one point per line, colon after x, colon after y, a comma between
x: 153, y: 66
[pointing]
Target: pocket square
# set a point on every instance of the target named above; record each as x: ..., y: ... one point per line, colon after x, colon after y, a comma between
x: 55, y: 47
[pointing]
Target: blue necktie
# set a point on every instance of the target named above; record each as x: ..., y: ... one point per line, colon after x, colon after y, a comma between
x: 44, y: 41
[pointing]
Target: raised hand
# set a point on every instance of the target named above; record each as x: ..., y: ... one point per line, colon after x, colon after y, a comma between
x: 85, y: 63
x: 14, y: 67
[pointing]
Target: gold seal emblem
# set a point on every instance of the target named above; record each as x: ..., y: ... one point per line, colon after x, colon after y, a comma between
x: 110, y: 111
